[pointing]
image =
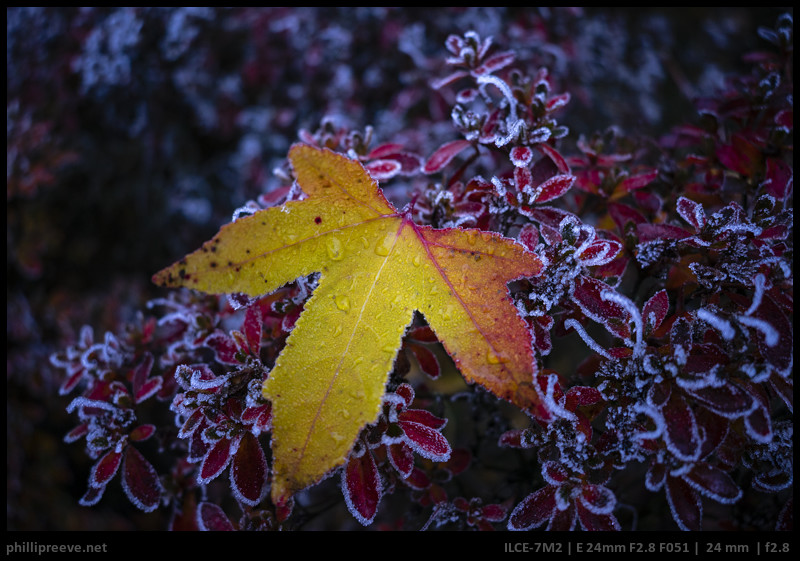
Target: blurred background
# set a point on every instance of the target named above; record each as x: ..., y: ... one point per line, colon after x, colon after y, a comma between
x: 134, y: 133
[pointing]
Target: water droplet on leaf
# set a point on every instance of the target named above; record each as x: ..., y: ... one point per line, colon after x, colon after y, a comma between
x: 342, y: 302
x: 335, y: 248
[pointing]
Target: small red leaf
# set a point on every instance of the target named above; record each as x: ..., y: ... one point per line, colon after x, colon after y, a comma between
x: 691, y: 212
x: 684, y: 503
x: 637, y: 181
x: 495, y: 63
x: 593, y: 522
x: 712, y: 482
x: 555, y: 187
x: 215, y: 461
x: 141, y: 433
x: 252, y: 328
x: 361, y: 487
x: 534, y: 510
x: 248, y: 473
x: 422, y: 417
x: 425, y: 441
x: 402, y: 458
x: 381, y: 170
x: 223, y: 346
x: 105, y: 468
x: 426, y: 359
x: 211, y: 517
x: 681, y: 433
x: 655, y: 310
x: 148, y: 389
x: 140, y: 481
x: 444, y: 154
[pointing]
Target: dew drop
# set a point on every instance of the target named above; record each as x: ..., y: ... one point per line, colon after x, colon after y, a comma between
x: 384, y: 246
x: 336, y: 437
x: 342, y: 302
x: 416, y: 260
x: 335, y: 248
x: 337, y: 330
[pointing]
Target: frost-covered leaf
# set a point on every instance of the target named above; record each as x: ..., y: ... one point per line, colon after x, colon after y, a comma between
x: 248, y: 473
x: 681, y: 434
x: 211, y: 517
x: 692, y: 212
x: 104, y: 469
x: 713, y: 483
x: 587, y: 293
x: 655, y: 310
x: 555, y: 187
x: 534, y: 510
x: 444, y: 154
x: 140, y: 480
x: 377, y: 267
x: 426, y: 441
x: 361, y: 486
x: 215, y: 461
x: 684, y: 504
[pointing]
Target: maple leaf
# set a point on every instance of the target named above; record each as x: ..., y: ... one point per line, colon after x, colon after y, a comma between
x: 376, y: 269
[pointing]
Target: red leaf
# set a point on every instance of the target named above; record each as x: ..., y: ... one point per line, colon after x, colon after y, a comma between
x: 685, y: 505
x: 211, y: 517
x: 248, y: 471
x: 384, y: 151
x: 521, y: 156
x: 637, y: 181
x: 728, y: 400
x: 529, y: 236
x: 140, y: 481
x: 381, y: 170
x: 494, y: 513
x: 587, y: 294
x: 692, y: 212
x: 593, y: 522
x: 655, y: 310
x: 444, y: 154
x: 600, y: 252
x: 361, y: 487
x: 555, y: 187
x: 582, y: 395
x: 495, y: 63
x: 423, y: 417
x: 555, y: 156
x: 252, y: 328
x: 223, y: 346
x: 534, y: 510
x: 215, y: 461
x: 105, y: 468
x: 681, y: 433
x: 712, y: 482
x: 141, y: 433
x: 148, y: 389
x: 425, y: 441
x: 402, y: 458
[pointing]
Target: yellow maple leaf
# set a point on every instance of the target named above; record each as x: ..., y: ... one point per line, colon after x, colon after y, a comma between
x: 376, y: 268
